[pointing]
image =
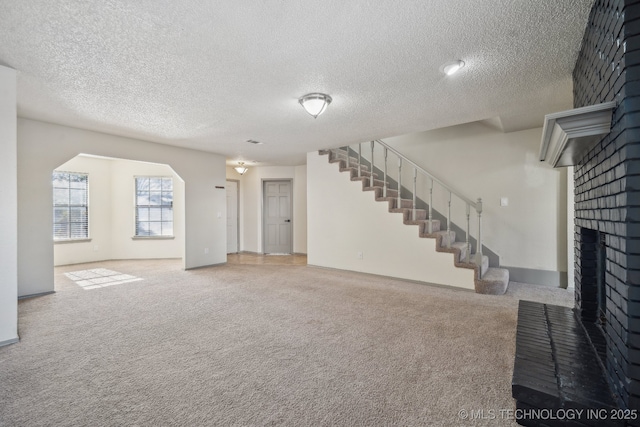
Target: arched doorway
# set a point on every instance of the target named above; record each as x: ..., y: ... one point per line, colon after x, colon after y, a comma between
x: 108, y: 208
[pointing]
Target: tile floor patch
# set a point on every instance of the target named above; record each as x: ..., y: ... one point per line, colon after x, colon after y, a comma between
x: 100, y: 278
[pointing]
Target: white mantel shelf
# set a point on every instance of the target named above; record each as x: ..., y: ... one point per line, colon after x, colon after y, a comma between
x: 568, y: 135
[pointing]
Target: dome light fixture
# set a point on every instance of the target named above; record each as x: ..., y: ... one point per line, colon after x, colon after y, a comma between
x: 315, y: 103
x: 241, y: 168
x: 453, y: 67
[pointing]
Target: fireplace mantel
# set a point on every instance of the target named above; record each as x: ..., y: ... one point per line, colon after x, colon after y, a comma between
x: 568, y: 135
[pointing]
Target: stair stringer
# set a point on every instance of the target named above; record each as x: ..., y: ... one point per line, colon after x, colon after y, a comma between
x: 344, y: 220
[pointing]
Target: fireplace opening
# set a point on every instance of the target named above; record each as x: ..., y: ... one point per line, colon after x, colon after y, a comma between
x: 601, y: 269
x: 591, y: 287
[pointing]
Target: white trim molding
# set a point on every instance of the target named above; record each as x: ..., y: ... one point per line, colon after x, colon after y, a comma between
x: 10, y: 341
x: 568, y: 135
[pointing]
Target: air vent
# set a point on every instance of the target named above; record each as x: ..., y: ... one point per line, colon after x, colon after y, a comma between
x: 252, y: 141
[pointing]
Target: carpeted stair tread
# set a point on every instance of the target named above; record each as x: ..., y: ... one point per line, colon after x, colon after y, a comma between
x: 335, y: 157
x: 379, y: 190
x: 344, y: 167
x: 367, y: 182
x: 393, y: 202
x: 425, y: 222
x: 342, y: 155
x: 342, y: 160
x: 458, y: 245
x: 485, y: 264
x: 424, y: 230
x: 463, y: 247
x: 353, y: 161
x: 494, y: 282
x: 407, y: 213
x: 446, y: 237
x: 390, y: 193
x: 354, y: 172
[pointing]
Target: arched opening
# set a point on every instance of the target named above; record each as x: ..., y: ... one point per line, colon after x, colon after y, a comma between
x: 116, y: 209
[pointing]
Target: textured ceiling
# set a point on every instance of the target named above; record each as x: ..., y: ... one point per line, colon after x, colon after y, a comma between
x: 211, y: 75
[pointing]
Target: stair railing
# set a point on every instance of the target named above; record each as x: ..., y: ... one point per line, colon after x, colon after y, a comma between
x: 431, y: 180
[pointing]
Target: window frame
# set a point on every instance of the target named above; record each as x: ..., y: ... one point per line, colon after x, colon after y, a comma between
x: 136, y: 206
x: 69, y: 206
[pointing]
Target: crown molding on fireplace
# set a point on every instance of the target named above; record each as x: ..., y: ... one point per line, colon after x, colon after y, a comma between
x: 568, y: 135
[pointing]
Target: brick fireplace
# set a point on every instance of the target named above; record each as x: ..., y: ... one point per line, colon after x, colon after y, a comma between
x: 607, y: 196
x: 589, y: 357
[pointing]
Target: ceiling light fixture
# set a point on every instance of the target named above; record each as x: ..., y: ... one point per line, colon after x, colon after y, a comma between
x: 315, y: 103
x: 451, y: 68
x: 241, y: 169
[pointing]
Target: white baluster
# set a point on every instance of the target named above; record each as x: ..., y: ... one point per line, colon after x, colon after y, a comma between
x: 449, y: 222
x: 468, y: 254
x: 415, y: 178
x: 479, y: 249
x: 384, y: 185
x: 431, y: 207
x: 399, y: 183
x: 359, y: 160
x: 371, y: 168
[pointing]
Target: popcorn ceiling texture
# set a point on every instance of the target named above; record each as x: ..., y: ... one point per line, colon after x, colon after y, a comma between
x: 210, y: 75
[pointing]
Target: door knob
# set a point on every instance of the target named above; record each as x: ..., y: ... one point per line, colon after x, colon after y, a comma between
x: 287, y: 220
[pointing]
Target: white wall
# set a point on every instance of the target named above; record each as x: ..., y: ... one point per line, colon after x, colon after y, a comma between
x: 43, y: 146
x: 300, y: 210
x: 9, y: 212
x: 112, y: 216
x: 251, y: 204
x: 479, y: 161
x: 344, y: 220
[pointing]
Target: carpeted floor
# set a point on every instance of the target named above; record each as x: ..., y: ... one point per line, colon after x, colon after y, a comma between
x: 261, y: 345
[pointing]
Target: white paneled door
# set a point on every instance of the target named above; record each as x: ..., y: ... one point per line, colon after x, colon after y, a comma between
x: 232, y: 217
x: 277, y: 216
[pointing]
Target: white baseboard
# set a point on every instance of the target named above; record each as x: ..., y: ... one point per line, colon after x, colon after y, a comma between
x: 11, y: 341
x: 36, y: 295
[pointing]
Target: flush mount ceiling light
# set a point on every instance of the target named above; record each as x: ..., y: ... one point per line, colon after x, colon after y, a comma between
x: 315, y: 103
x: 241, y: 169
x: 451, y: 68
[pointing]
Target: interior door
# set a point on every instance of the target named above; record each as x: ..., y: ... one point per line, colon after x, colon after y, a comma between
x: 277, y: 217
x: 232, y: 217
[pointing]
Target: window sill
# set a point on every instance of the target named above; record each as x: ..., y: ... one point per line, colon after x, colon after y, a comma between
x: 153, y: 237
x: 55, y: 242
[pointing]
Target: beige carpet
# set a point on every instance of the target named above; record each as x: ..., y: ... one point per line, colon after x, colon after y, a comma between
x: 260, y: 345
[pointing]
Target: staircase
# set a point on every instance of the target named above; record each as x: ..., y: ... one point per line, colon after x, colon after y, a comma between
x: 375, y: 179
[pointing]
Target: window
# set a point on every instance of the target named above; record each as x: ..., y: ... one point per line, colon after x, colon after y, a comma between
x: 70, y: 206
x: 154, y: 206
